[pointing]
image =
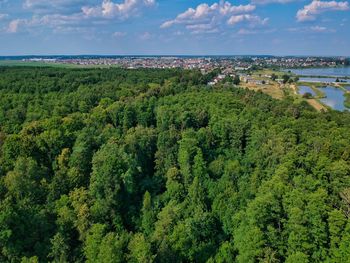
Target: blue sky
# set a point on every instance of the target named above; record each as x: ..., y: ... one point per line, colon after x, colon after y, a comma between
x: 189, y: 27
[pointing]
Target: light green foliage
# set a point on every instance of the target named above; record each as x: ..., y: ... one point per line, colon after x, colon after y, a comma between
x: 140, y: 250
x: 148, y: 214
x: 297, y: 257
x: 59, y: 249
x: 104, y: 247
x: 30, y: 260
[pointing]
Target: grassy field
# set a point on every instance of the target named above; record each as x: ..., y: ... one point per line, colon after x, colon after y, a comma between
x: 273, y: 88
x: 269, y: 72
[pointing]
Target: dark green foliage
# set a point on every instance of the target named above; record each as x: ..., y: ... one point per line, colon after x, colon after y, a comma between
x: 236, y: 80
x: 274, y: 76
x: 307, y: 95
x: 286, y: 78
x: 114, y: 165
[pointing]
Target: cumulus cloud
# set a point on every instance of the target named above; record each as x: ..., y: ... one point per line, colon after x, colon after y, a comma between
x: 251, y: 19
x: 109, y: 9
x: 310, y: 12
x: 209, y: 18
x: 78, y: 21
x: 205, y: 13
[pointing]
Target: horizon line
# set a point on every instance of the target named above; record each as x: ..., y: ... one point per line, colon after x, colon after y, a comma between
x: 171, y: 55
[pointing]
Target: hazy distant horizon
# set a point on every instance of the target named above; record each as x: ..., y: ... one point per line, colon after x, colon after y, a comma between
x: 191, y: 27
x: 162, y: 55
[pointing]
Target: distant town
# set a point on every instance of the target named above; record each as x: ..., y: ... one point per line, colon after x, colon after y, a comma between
x: 204, y: 63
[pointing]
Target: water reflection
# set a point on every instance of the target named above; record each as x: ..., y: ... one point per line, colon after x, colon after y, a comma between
x: 306, y: 89
x: 334, y: 98
x: 334, y: 72
x: 325, y: 80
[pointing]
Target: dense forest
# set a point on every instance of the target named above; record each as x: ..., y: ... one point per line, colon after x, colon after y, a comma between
x: 114, y: 165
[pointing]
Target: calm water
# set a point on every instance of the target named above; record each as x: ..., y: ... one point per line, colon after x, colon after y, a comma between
x: 304, y: 89
x: 328, y: 80
x: 347, y: 88
x: 337, y: 72
x: 335, y: 98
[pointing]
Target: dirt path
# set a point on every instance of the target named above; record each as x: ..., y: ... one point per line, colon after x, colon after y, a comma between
x: 294, y: 88
x: 316, y: 104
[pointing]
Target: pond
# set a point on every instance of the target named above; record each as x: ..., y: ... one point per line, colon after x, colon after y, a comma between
x: 334, y: 98
x: 304, y: 89
x: 327, y: 80
x: 334, y: 72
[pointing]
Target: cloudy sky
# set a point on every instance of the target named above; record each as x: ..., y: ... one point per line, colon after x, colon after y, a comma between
x: 277, y: 27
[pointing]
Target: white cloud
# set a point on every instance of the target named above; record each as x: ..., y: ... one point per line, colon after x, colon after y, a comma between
x: 310, y: 12
x: 109, y: 9
x: 202, y: 28
x: 228, y: 9
x: 205, y: 13
x: 14, y: 24
x: 253, y: 20
x: 86, y: 17
x: 210, y: 18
